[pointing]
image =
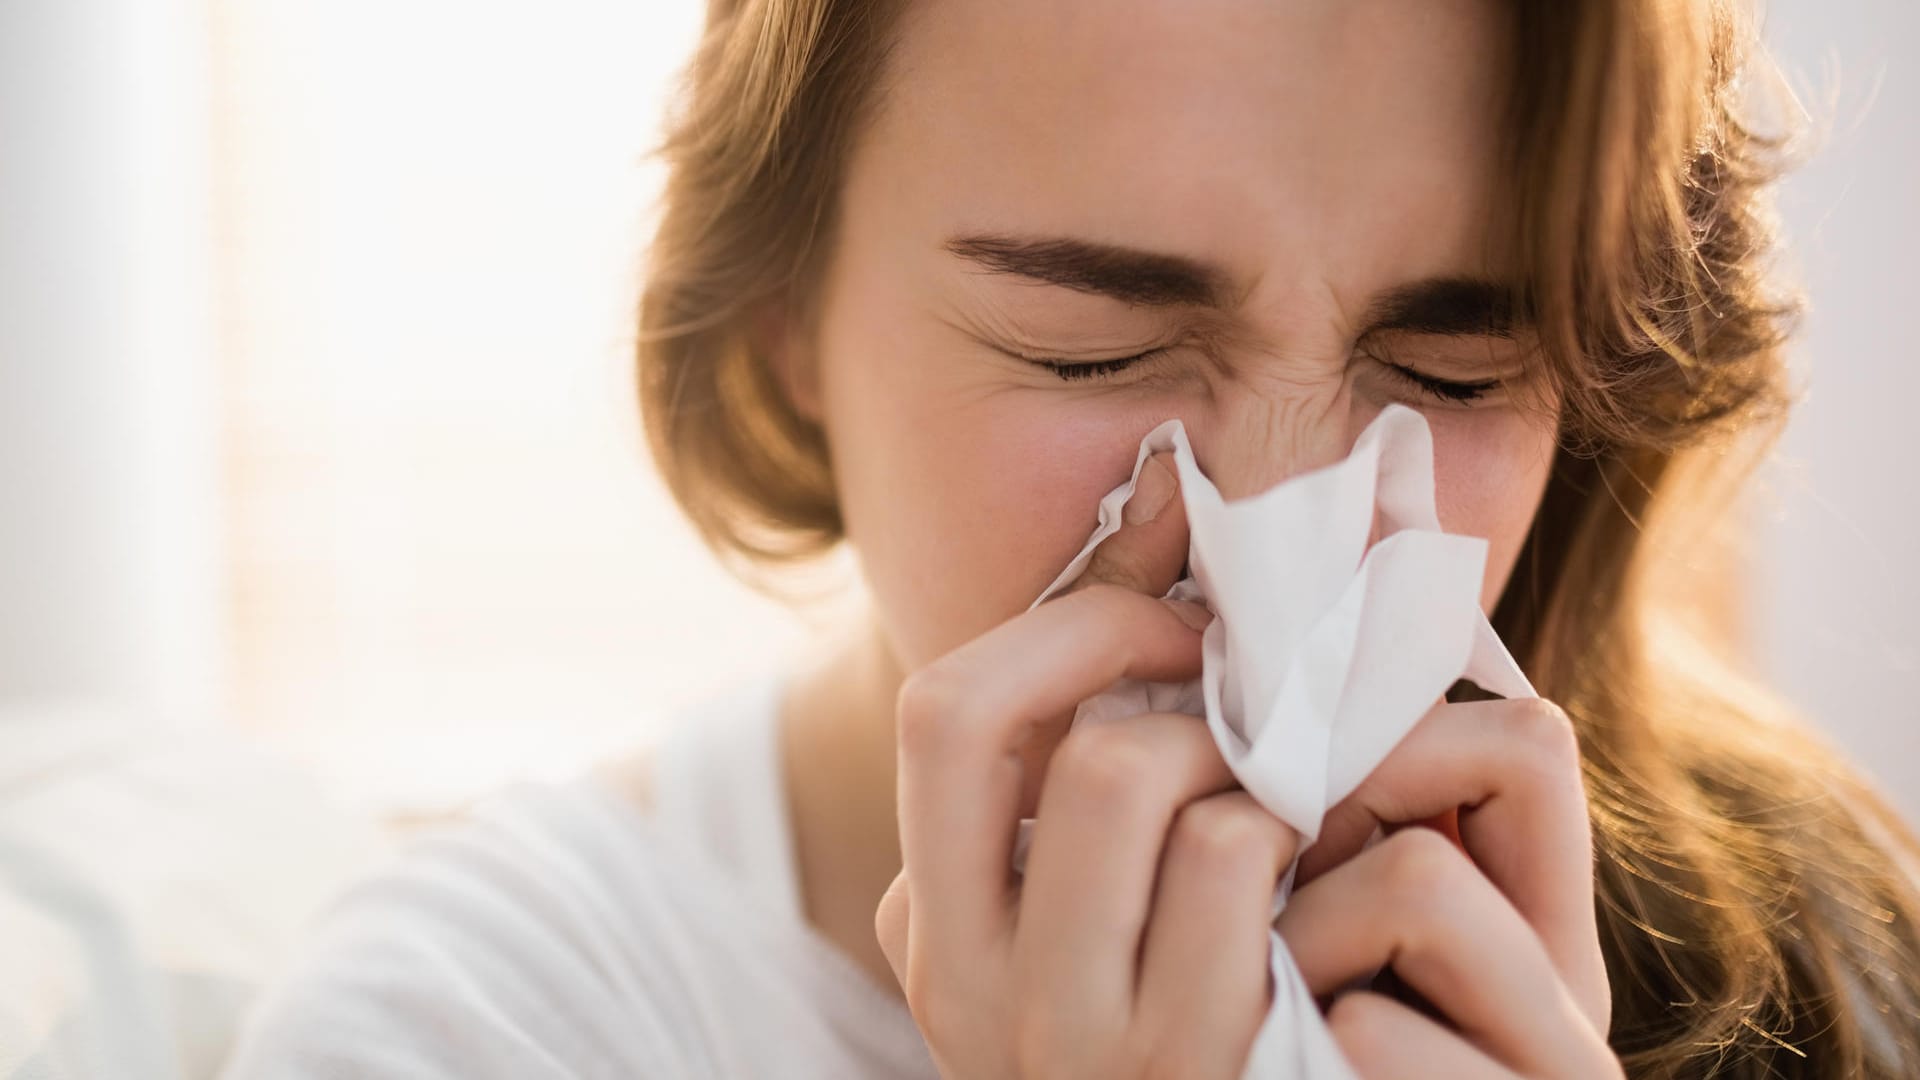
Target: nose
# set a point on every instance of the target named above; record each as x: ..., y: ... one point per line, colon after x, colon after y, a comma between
x: 1255, y: 437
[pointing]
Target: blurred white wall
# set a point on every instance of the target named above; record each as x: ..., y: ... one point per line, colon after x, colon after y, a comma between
x: 452, y: 560
x: 111, y: 576
x: 1841, y: 566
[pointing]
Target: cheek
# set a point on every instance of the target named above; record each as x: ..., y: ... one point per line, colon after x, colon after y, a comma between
x: 1490, y: 472
x: 963, y: 495
x: 982, y: 508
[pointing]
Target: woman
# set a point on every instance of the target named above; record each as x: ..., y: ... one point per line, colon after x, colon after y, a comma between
x: 926, y: 274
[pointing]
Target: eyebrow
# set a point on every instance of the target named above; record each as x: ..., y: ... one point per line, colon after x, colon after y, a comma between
x: 1454, y: 306
x: 1132, y: 276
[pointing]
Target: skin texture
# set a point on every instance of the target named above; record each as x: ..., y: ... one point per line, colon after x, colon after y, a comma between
x: 1319, y: 154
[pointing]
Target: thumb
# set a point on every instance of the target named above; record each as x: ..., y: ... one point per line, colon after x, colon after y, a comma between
x: 1149, y: 552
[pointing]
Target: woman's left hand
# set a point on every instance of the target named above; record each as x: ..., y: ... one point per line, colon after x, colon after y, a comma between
x: 1500, y: 939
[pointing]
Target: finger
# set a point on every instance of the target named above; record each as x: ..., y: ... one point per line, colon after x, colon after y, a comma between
x: 962, y: 721
x: 1204, y: 970
x: 1146, y: 555
x: 1112, y: 793
x: 1512, y: 769
x: 890, y: 919
x: 1148, y: 552
x: 1383, y: 1038
x: 1415, y: 902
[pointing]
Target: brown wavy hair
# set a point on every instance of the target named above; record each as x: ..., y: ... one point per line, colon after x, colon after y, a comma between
x: 1757, y: 899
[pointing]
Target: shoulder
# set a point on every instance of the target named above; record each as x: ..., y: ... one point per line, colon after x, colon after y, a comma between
x: 540, y: 930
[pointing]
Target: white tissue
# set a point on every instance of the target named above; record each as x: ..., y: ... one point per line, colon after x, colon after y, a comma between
x: 1322, y: 654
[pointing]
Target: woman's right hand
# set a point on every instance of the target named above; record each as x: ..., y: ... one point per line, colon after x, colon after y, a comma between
x: 1136, y: 945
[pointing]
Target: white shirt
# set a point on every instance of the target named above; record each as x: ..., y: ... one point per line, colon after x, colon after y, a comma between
x: 566, y: 931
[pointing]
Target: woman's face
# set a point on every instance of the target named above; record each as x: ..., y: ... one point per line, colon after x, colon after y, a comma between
x: 1285, y: 204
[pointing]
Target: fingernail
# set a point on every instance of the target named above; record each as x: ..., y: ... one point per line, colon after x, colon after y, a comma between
x: 1151, y: 494
x: 1194, y: 615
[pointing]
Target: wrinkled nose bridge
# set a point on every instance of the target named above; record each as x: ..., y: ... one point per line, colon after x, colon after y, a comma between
x: 1249, y: 448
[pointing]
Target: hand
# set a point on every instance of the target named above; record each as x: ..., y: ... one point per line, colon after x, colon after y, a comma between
x: 1497, y: 934
x: 1137, y: 943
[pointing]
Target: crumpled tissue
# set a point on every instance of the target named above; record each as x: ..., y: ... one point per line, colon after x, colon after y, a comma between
x: 1323, y: 652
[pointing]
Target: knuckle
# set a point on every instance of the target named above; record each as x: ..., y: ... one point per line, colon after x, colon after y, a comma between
x: 1543, y: 735
x: 926, y: 704
x: 1227, y: 830
x: 1419, y: 866
x: 1357, y: 1017
x: 1106, y: 762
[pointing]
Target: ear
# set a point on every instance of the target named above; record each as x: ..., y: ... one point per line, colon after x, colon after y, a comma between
x: 789, y: 353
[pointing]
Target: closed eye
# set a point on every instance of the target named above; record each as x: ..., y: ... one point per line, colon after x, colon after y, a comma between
x: 1089, y: 369
x: 1442, y: 389
x: 1449, y: 390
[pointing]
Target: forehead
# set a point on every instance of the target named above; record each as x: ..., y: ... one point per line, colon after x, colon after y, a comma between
x: 1303, y: 144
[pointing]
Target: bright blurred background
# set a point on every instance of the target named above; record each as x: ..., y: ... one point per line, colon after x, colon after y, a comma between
x: 316, y: 418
